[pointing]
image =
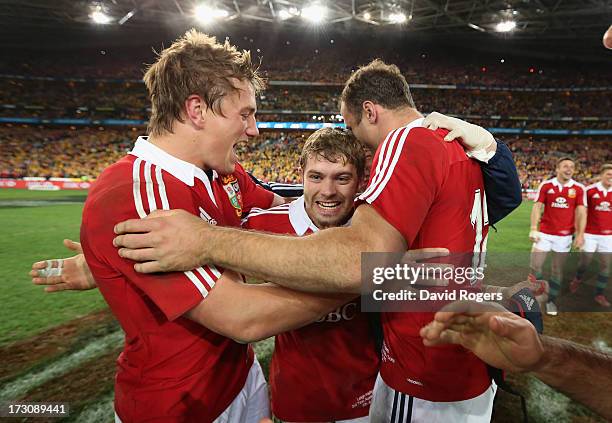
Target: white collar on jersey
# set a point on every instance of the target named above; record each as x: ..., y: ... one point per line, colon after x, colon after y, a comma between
x: 556, y: 182
x: 600, y: 187
x: 299, y: 218
x: 181, y: 169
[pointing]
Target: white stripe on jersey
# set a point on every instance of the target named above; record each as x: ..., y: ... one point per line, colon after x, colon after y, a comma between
x: 389, y: 167
x: 162, y: 188
x: 198, y: 284
x: 540, y: 189
x: 206, y: 277
x: 136, y: 188
x: 149, y: 185
x: 204, y: 273
x: 384, y: 152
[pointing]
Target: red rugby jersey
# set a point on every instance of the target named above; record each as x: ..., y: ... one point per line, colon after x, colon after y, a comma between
x: 560, y: 203
x: 171, y: 367
x: 599, y: 205
x: 324, y: 371
x: 433, y: 194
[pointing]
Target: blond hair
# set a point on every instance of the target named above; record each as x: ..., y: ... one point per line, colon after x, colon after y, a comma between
x: 195, y: 64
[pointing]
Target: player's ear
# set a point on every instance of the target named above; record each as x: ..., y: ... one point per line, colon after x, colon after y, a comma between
x: 196, y: 109
x: 369, y: 112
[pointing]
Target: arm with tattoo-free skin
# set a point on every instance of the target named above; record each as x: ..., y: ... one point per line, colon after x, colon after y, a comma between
x: 509, y: 342
x: 581, y: 219
x: 580, y: 372
x: 327, y: 261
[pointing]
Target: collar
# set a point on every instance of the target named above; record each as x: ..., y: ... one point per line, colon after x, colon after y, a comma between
x: 299, y: 218
x: 182, y: 170
x: 556, y: 182
x: 600, y: 187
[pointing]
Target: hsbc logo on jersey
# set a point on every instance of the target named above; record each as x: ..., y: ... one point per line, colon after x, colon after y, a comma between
x: 346, y: 312
x: 560, y: 203
x: 604, y: 206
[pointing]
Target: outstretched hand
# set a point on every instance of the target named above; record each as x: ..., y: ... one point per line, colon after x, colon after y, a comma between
x: 71, y: 273
x: 497, y: 336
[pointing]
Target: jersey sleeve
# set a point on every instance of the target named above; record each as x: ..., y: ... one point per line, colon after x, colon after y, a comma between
x: 174, y: 293
x: 407, y: 172
x: 581, y: 196
x: 541, y: 197
x: 253, y: 194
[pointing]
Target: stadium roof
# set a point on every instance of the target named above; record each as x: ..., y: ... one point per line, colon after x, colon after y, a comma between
x: 552, y: 19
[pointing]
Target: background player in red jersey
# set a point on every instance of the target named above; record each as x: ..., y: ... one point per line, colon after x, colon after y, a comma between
x: 324, y: 371
x: 598, y: 234
x: 561, y: 203
x: 180, y: 361
x: 423, y: 192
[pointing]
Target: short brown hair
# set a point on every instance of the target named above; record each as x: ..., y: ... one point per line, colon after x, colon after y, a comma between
x: 562, y: 159
x: 334, y: 144
x: 195, y: 64
x: 605, y: 167
x: 377, y: 82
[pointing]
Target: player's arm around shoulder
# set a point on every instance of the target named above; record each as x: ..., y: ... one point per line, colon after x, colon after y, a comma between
x: 251, y: 312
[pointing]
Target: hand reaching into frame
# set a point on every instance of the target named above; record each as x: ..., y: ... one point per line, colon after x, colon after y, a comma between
x: 70, y: 273
x: 497, y: 336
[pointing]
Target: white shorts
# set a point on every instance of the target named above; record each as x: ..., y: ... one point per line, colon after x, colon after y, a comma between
x: 250, y: 405
x: 556, y: 243
x: 391, y: 406
x: 597, y: 243
x: 357, y: 420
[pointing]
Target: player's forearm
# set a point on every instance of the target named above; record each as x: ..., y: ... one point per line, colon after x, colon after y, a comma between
x: 579, y: 372
x: 535, y: 216
x: 271, y: 309
x: 328, y: 261
x: 581, y: 218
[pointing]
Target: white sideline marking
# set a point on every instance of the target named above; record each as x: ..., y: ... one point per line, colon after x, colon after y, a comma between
x: 13, y: 390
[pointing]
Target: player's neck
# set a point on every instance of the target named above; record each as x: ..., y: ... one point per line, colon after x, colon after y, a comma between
x: 605, y: 185
x: 563, y: 180
x: 181, y: 146
x: 398, y: 118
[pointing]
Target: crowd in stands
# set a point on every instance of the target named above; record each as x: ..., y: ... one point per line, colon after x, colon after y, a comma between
x: 84, y: 152
x: 273, y: 156
x: 128, y: 100
x: 329, y: 60
x: 36, y: 151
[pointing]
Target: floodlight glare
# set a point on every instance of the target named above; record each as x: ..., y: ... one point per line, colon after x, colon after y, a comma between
x: 314, y: 13
x: 284, y: 14
x: 207, y: 14
x: 505, y: 26
x: 397, y: 18
x: 367, y: 16
x: 100, y: 17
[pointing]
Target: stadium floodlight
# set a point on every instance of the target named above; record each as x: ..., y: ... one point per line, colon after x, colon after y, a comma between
x: 284, y: 14
x: 206, y: 14
x: 314, y: 13
x: 505, y: 26
x: 367, y: 16
x: 397, y: 18
x: 99, y: 17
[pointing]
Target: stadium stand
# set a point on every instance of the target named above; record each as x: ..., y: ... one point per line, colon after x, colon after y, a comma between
x: 70, y: 119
